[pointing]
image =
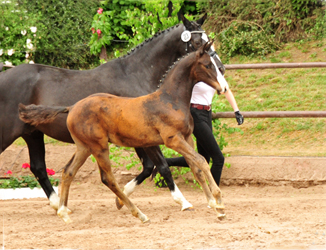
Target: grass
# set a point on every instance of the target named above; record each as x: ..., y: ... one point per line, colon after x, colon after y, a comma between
x: 276, y: 90
x: 280, y: 90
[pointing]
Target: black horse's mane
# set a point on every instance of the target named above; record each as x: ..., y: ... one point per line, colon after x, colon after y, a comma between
x: 159, y: 33
x: 133, y: 50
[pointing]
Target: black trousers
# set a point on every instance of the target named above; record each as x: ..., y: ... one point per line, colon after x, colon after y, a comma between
x: 206, y: 144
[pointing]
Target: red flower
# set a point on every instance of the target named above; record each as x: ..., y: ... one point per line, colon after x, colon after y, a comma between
x: 26, y: 165
x: 100, y: 11
x: 99, y: 32
x: 50, y: 171
x: 93, y: 30
x: 9, y: 172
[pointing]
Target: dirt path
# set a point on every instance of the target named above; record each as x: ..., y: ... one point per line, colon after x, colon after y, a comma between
x: 258, y: 216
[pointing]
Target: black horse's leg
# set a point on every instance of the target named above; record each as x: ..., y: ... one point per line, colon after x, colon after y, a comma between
x: 36, y: 148
x: 153, y: 156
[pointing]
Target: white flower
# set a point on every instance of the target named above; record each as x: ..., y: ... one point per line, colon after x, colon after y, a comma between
x: 29, y: 43
x: 27, y: 55
x: 8, y: 63
x: 30, y: 46
x: 1, y: 52
x: 23, y: 32
x: 7, y: 28
x: 33, y: 29
x: 31, y: 62
x: 10, y: 52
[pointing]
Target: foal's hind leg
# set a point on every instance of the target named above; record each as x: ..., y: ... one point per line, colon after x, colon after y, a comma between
x: 68, y: 175
x: 103, y: 160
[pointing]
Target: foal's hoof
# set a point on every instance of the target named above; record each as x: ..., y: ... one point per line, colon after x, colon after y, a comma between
x: 221, y: 217
x: 118, y: 203
x: 148, y: 221
x: 65, y: 218
x: 220, y: 214
x: 189, y: 209
x: 143, y: 218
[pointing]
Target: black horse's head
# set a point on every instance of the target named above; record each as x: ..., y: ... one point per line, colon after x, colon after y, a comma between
x: 194, y: 37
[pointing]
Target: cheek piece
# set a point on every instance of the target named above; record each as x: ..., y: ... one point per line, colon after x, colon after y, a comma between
x: 213, y: 53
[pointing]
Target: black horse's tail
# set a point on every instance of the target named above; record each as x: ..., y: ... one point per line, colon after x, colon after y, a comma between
x: 39, y: 114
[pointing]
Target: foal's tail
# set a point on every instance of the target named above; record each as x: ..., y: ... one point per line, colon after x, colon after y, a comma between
x: 39, y: 114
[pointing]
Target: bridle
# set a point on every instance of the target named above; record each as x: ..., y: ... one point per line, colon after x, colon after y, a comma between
x: 186, y: 38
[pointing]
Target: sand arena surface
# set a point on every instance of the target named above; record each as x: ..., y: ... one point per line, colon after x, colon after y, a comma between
x: 258, y: 216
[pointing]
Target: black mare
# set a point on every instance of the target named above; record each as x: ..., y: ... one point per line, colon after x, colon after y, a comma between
x: 135, y: 74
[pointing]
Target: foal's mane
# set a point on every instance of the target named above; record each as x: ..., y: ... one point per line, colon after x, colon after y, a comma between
x: 170, y: 68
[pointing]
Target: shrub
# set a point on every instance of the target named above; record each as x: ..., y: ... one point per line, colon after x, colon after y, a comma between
x: 258, y: 27
x: 61, y: 38
x: 125, y: 24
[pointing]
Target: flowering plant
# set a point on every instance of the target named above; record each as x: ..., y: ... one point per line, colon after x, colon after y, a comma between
x: 125, y: 24
x: 25, y: 180
x: 18, y: 35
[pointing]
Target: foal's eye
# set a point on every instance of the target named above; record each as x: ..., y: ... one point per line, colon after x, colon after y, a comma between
x: 207, y: 66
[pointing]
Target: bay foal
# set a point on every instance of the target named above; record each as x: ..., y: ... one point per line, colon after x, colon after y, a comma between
x: 162, y: 117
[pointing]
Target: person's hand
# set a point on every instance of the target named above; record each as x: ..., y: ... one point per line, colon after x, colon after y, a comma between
x: 239, y: 117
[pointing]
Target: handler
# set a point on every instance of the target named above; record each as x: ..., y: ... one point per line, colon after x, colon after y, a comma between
x: 201, y: 101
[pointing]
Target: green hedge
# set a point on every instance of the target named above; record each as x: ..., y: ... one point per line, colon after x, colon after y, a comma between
x: 62, y: 36
x: 65, y: 37
x: 258, y: 27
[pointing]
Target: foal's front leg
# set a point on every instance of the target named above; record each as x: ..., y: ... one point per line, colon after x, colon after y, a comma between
x: 196, y: 161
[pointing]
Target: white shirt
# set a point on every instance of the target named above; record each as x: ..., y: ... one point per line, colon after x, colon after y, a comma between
x: 202, y: 94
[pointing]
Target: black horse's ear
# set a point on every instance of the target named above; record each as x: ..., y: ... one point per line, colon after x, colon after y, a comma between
x: 201, y: 20
x: 185, y: 21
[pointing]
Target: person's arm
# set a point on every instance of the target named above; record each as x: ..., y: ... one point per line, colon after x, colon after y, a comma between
x: 230, y: 97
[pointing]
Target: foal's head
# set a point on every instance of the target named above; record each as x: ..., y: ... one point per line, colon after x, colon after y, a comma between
x: 206, y: 70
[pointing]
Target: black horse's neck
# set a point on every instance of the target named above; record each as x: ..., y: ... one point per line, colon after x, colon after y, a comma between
x: 150, y: 60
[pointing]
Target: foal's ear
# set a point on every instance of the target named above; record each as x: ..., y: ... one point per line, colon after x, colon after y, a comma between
x: 208, y: 45
x: 205, y: 48
x: 202, y: 19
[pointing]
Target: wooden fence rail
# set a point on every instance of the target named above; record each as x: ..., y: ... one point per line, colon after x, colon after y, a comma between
x: 276, y: 65
x: 271, y: 114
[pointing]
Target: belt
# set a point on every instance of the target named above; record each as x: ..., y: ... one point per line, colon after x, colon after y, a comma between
x: 201, y: 107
